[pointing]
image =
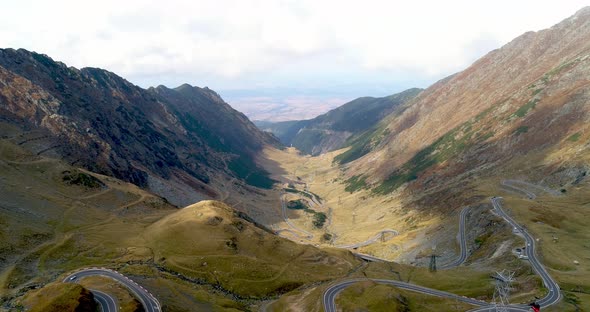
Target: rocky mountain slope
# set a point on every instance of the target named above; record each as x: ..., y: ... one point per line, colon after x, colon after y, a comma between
x: 172, y: 141
x: 528, y: 97
x: 331, y: 130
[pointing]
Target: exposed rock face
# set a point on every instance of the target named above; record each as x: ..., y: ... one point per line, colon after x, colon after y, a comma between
x: 331, y: 130
x: 530, y: 95
x: 96, y: 119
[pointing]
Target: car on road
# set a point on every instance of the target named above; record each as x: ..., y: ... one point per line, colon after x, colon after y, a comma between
x: 73, y: 277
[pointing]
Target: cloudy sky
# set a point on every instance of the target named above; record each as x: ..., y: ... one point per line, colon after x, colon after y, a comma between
x: 265, y: 55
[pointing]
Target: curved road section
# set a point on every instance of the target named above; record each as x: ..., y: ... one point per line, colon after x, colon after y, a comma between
x: 462, y: 242
x: 149, y: 302
x: 331, y: 293
x: 525, y: 188
x: 106, y: 302
x: 460, y: 237
x: 554, y: 294
x: 371, y: 240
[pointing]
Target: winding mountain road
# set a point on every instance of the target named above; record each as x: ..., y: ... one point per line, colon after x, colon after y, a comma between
x: 517, y: 185
x: 331, y: 293
x: 553, y: 296
x: 369, y: 241
x: 105, y: 301
x: 462, y: 242
x: 460, y: 237
x: 148, y: 301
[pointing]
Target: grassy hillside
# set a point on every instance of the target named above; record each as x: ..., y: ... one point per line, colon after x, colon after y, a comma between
x: 362, y: 144
x: 429, y: 224
x: 205, y: 255
x: 472, y: 123
x: 210, y: 242
x: 59, y: 297
x: 374, y: 297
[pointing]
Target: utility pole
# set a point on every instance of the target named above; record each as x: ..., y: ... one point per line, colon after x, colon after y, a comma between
x: 432, y: 265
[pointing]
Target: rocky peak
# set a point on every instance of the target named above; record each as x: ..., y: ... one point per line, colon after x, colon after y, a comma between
x: 102, y: 122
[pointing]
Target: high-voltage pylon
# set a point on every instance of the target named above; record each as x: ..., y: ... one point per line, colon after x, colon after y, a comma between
x: 432, y: 265
x: 504, y: 281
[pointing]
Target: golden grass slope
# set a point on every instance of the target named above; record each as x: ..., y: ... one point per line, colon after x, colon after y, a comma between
x: 59, y: 297
x: 208, y: 241
x: 204, y: 256
x: 369, y: 296
x: 353, y: 217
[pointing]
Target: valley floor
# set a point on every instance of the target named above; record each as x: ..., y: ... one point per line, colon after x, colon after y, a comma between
x: 204, y: 256
x: 555, y: 217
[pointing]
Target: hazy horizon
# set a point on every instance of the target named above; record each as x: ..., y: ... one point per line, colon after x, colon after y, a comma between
x: 276, y: 59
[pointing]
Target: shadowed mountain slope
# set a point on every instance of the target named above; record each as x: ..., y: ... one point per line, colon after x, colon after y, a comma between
x: 96, y: 119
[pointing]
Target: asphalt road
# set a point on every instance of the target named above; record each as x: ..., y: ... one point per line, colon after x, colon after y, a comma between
x: 460, y: 237
x: 370, y: 240
x: 106, y: 302
x: 554, y: 294
x: 294, y: 232
x: 462, y: 242
x: 369, y: 257
x: 509, y: 184
x: 312, y: 198
x: 331, y: 293
x: 149, y: 302
x: 525, y: 188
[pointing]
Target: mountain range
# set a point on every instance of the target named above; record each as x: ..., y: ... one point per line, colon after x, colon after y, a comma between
x: 185, y: 196
x: 171, y: 141
x: 528, y: 97
x: 332, y: 130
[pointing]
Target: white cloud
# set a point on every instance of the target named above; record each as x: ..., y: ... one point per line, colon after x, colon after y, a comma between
x: 233, y: 42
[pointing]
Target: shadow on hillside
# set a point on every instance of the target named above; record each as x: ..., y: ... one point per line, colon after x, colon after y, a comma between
x: 262, y: 205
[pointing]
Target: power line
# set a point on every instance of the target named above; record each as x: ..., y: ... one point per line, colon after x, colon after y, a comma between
x: 504, y: 281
